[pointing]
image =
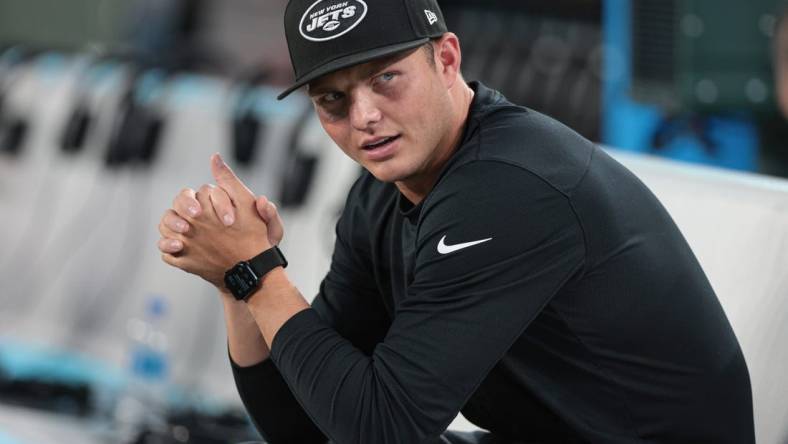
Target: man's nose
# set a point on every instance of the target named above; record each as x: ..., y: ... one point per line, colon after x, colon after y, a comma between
x: 364, y: 112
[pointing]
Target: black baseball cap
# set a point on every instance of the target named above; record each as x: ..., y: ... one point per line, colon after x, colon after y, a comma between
x: 324, y: 36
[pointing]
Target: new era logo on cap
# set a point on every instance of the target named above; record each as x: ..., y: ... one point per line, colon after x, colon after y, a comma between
x: 431, y: 17
x: 327, y: 20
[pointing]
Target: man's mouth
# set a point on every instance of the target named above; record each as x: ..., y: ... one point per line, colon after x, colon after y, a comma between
x: 381, y: 143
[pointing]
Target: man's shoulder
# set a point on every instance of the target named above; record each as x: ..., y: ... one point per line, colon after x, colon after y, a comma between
x: 537, y: 143
x: 502, y: 131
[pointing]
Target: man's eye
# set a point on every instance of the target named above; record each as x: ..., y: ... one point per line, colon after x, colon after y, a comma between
x: 331, y: 97
x: 387, y: 77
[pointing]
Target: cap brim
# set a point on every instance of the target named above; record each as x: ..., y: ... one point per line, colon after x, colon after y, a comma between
x: 353, y: 59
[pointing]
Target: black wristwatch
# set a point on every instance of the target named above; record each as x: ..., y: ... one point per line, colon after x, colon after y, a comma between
x: 243, y: 279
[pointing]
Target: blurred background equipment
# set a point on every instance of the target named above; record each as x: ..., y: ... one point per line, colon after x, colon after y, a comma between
x: 299, y: 168
x: 13, y: 125
x: 140, y: 121
x: 544, y: 54
x: 248, y: 126
x: 703, y: 55
x: 693, y: 80
x: 108, y: 108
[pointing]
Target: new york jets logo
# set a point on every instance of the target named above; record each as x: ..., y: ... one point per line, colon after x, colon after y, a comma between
x: 329, y: 19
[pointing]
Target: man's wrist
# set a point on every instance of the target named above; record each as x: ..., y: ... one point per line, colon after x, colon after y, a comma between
x: 275, y: 277
x: 229, y: 301
x: 272, y: 283
x: 246, y: 277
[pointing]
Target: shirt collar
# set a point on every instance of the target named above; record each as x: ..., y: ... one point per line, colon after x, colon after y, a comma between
x: 483, y: 100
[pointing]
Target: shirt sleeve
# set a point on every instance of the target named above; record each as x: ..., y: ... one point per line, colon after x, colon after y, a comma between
x: 348, y: 302
x: 464, y: 308
x: 274, y: 411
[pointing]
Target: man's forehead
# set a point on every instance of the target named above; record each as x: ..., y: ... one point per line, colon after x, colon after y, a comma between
x: 360, y: 71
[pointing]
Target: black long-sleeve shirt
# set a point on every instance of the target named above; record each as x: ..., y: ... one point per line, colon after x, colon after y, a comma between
x: 540, y: 288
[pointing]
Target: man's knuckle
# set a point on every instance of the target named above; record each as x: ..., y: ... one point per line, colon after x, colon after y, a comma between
x: 172, y: 227
x: 173, y: 223
x: 217, y: 195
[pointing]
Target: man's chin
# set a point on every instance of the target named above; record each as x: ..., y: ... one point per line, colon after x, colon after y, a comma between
x: 388, y: 175
x: 383, y: 173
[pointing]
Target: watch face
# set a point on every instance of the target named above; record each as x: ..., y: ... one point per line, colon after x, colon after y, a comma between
x: 241, y: 280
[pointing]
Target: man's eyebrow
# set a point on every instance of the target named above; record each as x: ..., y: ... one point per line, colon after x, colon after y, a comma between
x: 377, y: 65
x: 374, y: 66
x: 381, y: 64
x: 318, y: 90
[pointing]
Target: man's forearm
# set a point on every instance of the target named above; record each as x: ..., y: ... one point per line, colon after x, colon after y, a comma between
x: 244, y: 338
x: 251, y: 326
x: 274, y: 303
x: 265, y: 394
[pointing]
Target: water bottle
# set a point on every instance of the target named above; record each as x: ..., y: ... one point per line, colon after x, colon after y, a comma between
x: 143, y: 405
x: 149, y: 344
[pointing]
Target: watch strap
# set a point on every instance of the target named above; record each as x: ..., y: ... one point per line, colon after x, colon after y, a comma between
x: 267, y: 261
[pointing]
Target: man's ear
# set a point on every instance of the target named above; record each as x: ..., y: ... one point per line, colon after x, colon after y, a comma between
x: 448, y: 58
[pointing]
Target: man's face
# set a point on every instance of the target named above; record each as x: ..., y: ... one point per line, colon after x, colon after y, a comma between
x: 388, y: 115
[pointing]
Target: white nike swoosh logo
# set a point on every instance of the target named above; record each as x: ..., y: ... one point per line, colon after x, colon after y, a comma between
x: 446, y: 249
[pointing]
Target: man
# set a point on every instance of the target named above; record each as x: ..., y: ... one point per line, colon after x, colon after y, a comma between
x: 489, y: 261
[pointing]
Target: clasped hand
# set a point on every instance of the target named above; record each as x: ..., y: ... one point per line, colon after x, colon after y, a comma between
x: 208, y: 231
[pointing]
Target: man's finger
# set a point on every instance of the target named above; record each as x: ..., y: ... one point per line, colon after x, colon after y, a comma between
x: 262, y: 207
x: 226, y: 178
x: 174, y: 222
x: 276, y: 228
x: 204, y: 197
x: 167, y: 232
x: 170, y: 246
x: 267, y: 211
x: 222, y: 205
x: 169, y: 259
x: 185, y: 203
